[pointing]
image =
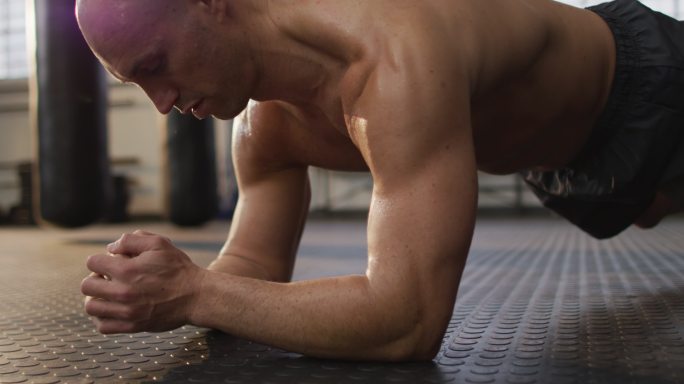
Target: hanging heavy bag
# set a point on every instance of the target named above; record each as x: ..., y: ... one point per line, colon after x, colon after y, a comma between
x: 68, y: 111
x: 191, y: 186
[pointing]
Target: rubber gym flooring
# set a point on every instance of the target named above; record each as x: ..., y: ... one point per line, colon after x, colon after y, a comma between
x: 539, y: 303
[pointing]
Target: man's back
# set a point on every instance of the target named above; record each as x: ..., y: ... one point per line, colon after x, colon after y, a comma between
x: 538, y: 71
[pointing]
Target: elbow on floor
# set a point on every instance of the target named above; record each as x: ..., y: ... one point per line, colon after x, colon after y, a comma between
x: 416, y: 346
x: 412, y: 354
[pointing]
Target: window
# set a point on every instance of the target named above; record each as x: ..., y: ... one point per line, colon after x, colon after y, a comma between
x: 13, y: 39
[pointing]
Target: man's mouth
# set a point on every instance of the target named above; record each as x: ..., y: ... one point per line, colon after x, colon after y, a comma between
x: 194, y: 108
x: 198, y: 110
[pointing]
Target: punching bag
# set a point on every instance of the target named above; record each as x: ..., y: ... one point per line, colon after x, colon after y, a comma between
x: 191, y: 186
x: 68, y: 110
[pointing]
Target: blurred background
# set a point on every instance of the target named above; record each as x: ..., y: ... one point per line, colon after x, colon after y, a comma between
x: 135, y: 142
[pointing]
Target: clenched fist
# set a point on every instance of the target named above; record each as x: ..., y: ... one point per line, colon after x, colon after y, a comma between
x: 142, y: 283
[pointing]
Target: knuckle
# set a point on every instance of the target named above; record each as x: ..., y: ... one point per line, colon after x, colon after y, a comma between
x: 106, y: 329
x: 91, y: 261
x: 86, y: 305
x: 126, y: 238
x: 160, y: 242
x: 85, y: 285
x: 127, y: 271
x: 90, y: 308
x: 134, y: 313
x: 129, y: 327
x: 126, y: 295
x: 128, y: 313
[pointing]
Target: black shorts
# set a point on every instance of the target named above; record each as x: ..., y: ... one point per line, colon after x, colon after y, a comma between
x: 638, y: 143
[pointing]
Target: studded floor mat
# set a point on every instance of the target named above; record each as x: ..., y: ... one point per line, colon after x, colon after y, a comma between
x: 539, y: 303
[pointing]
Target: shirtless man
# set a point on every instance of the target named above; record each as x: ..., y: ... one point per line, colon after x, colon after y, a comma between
x: 420, y: 93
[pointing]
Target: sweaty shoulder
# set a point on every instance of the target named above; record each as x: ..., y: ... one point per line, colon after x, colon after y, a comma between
x: 274, y: 135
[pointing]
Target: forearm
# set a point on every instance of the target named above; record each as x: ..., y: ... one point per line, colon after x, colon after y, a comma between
x: 342, y: 318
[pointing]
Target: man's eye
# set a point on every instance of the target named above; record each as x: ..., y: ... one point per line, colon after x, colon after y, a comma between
x: 153, y: 68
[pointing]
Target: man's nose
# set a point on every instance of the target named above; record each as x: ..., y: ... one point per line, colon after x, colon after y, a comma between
x: 163, y: 98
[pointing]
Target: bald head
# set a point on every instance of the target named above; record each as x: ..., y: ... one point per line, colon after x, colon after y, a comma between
x: 102, y: 10
x: 110, y: 24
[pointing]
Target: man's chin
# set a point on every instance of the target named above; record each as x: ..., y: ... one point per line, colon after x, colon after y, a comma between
x: 227, y: 113
x: 230, y: 112
x: 207, y: 114
x: 224, y: 116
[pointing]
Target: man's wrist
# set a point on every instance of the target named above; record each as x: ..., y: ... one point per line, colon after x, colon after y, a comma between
x: 201, y: 293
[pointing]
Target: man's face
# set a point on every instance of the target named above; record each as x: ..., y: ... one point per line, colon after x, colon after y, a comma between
x: 173, y: 55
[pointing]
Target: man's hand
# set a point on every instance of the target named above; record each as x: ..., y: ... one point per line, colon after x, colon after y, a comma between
x: 143, y: 283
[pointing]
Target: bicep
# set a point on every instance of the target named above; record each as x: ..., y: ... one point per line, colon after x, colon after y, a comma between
x: 420, y: 233
x: 417, y: 140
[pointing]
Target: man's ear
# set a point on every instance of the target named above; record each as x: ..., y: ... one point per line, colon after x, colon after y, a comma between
x: 216, y: 8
